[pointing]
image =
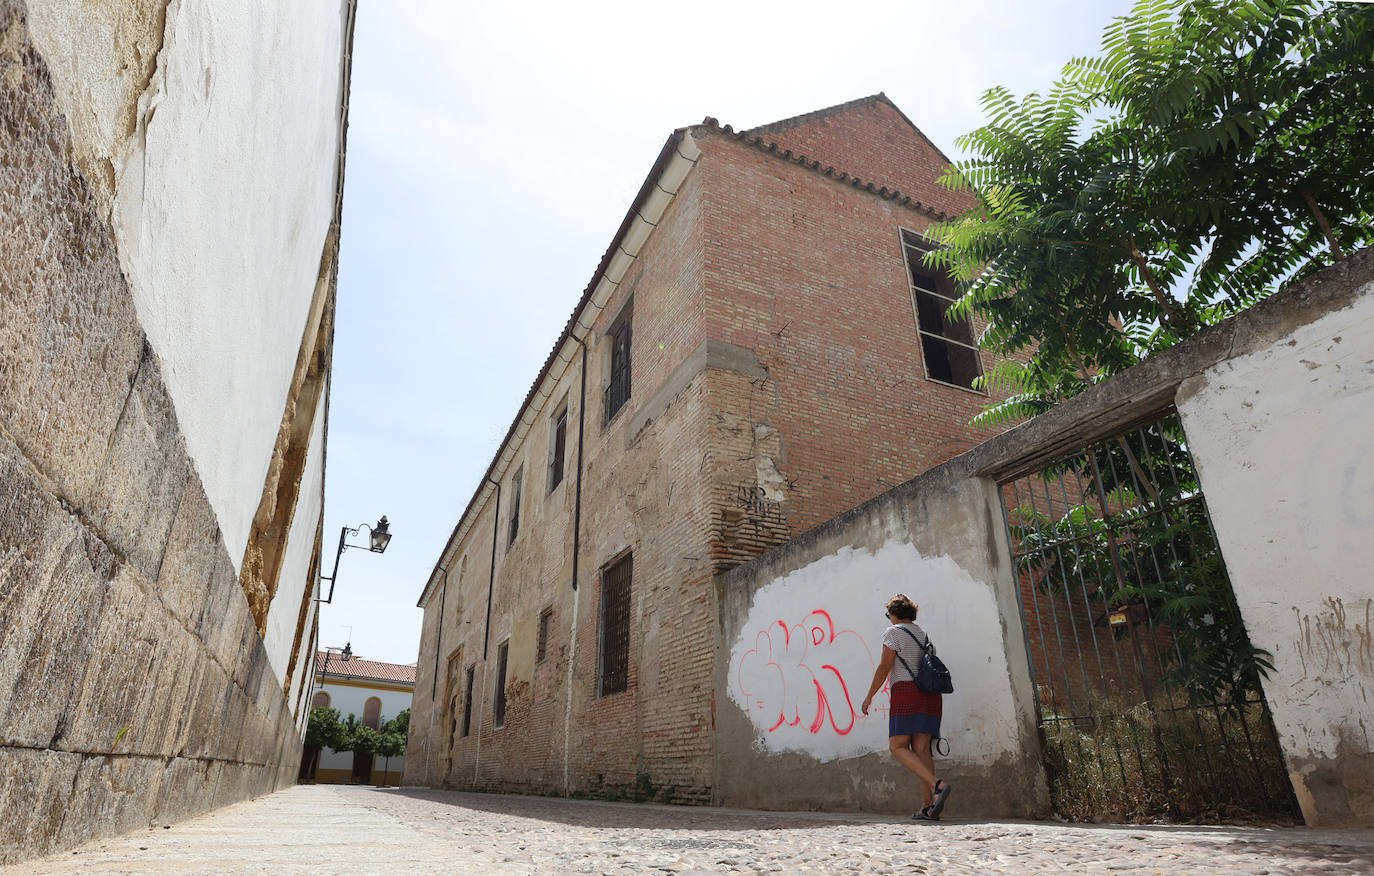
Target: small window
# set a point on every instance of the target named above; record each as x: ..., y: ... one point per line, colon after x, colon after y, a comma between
x: 467, y: 699
x: 321, y: 698
x: 372, y: 713
x: 948, y: 347
x: 515, y: 504
x: 558, y: 447
x: 618, y: 389
x: 614, y: 662
x: 499, y: 709
x: 541, y: 649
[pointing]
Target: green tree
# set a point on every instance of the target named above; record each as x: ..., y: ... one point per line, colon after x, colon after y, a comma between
x: 323, y: 729
x: 1211, y: 153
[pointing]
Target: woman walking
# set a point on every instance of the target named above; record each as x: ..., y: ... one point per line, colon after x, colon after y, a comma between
x: 914, y: 715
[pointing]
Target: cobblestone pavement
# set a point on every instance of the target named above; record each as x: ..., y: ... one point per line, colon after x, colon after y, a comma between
x: 333, y: 829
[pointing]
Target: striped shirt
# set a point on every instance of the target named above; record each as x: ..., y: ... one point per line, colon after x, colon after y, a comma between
x: 907, y: 648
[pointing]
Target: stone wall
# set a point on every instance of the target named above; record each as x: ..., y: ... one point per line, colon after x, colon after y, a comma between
x: 135, y: 686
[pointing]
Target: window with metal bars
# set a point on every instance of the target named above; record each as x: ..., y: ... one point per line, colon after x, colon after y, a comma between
x: 948, y: 347
x: 614, y: 662
x: 618, y: 389
x: 515, y: 504
x: 467, y: 699
x: 499, y: 702
x: 541, y: 648
x: 558, y: 446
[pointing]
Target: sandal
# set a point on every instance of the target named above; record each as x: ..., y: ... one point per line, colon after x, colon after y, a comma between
x: 926, y: 813
x: 941, y: 795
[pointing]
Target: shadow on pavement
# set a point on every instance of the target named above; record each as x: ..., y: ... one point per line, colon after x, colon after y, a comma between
x: 649, y: 816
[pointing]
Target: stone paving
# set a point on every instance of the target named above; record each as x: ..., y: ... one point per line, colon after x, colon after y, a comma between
x: 334, y: 829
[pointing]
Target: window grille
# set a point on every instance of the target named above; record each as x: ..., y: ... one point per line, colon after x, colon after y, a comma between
x: 499, y: 711
x: 542, y: 648
x: 515, y: 504
x: 614, y: 662
x: 618, y: 390
x: 559, y: 442
x: 948, y: 347
x: 467, y: 699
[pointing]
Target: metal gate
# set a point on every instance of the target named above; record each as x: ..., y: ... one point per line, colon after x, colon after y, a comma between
x: 1147, y: 686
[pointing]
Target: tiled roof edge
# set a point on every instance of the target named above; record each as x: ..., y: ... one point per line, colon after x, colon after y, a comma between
x: 670, y: 147
x: 769, y: 147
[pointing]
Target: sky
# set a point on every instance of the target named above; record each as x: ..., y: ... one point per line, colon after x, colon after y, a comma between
x: 493, y: 150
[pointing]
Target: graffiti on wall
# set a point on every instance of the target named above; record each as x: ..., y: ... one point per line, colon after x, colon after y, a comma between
x: 804, y: 654
x: 806, y: 674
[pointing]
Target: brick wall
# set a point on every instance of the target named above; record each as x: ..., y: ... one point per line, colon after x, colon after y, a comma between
x: 802, y: 276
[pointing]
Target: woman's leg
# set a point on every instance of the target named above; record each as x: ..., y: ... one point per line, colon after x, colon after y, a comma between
x: 920, y: 744
x: 901, y: 748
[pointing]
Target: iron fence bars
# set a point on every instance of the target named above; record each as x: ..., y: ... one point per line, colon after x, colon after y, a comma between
x: 1147, y: 686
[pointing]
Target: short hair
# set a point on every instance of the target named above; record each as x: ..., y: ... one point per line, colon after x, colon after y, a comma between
x: 902, y: 608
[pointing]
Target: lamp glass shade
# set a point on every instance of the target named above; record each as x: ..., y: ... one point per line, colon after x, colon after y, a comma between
x: 380, y: 536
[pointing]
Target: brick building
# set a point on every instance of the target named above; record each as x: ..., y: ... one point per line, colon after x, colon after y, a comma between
x: 758, y: 351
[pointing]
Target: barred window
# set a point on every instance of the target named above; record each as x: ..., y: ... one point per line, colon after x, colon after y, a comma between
x: 614, y: 661
x: 541, y: 649
x: 948, y: 347
x: 467, y: 699
x: 499, y: 710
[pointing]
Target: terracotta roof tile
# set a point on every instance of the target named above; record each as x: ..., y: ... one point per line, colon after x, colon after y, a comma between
x: 356, y: 667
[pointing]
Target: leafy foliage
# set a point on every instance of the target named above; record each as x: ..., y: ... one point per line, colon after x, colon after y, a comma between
x: 1214, y: 151
x: 324, y: 729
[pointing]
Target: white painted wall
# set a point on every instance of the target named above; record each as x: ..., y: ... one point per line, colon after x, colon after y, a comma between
x: 284, y: 613
x: 223, y: 196
x: 349, y: 699
x: 1284, y: 444
x: 812, y: 639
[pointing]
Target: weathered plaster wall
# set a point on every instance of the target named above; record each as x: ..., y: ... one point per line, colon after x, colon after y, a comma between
x: 801, y: 632
x: 284, y: 615
x: 202, y: 125
x: 1284, y: 442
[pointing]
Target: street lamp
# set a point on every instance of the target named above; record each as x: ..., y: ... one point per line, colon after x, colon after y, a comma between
x: 379, y: 538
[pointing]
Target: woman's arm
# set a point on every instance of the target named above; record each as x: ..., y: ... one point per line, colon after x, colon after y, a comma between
x: 880, y: 675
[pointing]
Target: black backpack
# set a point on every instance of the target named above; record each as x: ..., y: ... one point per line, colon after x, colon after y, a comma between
x: 933, y: 676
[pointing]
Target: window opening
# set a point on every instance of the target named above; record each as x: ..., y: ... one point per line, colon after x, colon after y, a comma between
x: 499, y: 712
x: 542, y: 648
x: 559, y: 444
x: 614, y: 663
x: 618, y: 390
x: 467, y: 699
x: 515, y: 504
x: 948, y: 347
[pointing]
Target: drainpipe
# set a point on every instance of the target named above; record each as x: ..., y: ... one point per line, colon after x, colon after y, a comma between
x: 577, y: 502
x: 439, y: 637
x: 491, y: 581
x: 577, y: 545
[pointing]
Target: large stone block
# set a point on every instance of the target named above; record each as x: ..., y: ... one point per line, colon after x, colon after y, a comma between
x: 193, y: 552
x: 35, y: 789
x: 211, y: 699
x: 186, y: 789
x: 145, y: 473
x: 70, y: 335
x: 111, y: 795
x: 110, y: 712
x: 165, y: 701
x: 53, y: 577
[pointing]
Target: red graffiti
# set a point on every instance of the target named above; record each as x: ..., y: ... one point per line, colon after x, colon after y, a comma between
x: 784, y: 677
